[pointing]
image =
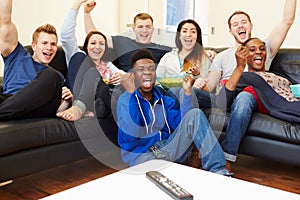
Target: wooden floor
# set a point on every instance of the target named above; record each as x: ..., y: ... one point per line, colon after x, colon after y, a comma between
x: 54, y: 180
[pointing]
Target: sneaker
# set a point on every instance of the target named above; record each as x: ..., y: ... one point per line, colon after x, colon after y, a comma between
x: 224, y: 172
x: 228, y: 166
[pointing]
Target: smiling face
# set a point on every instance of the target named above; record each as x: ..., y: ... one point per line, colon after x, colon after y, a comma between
x: 240, y: 28
x: 257, y: 55
x: 188, y: 36
x: 44, y: 48
x: 96, y: 47
x: 143, y: 29
x: 145, y: 75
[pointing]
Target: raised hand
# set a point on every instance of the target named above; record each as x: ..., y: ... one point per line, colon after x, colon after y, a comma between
x: 127, y: 81
x: 77, y: 3
x: 241, y: 55
x: 187, y: 84
x: 89, y: 6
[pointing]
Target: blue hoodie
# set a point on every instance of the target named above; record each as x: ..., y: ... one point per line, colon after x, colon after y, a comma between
x: 141, y: 124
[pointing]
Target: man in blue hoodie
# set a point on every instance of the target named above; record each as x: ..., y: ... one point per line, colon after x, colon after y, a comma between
x: 148, y: 120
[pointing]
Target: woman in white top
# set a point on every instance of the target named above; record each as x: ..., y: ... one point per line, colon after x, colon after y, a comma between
x: 188, y: 56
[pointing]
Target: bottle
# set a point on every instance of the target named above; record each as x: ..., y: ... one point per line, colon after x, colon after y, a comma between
x: 107, y: 75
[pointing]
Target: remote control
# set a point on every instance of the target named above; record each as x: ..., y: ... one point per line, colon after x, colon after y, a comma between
x: 171, y: 188
x: 157, y: 152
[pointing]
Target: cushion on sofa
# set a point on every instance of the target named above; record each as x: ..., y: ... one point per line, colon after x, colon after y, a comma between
x: 17, y: 135
x: 287, y: 64
x: 261, y: 125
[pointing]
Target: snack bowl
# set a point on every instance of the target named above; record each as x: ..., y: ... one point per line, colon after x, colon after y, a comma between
x: 169, y: 82
x: 296, y: 90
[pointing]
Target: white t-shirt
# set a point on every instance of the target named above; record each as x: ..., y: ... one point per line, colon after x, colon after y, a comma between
x: 170, y: 66
x: 225, y: 61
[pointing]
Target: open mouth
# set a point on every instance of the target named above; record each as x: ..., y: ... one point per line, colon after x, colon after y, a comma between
x: 144, y: 36
x: 242, y: 33
x: 188, y: 41
x: 258, y: 60
x: 97, y: 52
x: 147, y: 83
x: 48, y: 55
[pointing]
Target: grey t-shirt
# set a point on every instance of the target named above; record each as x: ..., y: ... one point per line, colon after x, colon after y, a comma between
x: 225, y: 61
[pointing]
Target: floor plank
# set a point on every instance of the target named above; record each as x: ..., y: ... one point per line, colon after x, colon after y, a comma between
x: 268, y: 173
x: 54, y: 180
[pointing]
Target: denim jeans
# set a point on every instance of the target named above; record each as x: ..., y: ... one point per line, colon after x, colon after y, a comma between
x: 193, y: 130
x: 241, y: 111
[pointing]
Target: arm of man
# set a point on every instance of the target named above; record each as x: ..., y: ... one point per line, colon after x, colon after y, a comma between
x: 89, y: 24
x: 241, y: 55
x: 279, y: 32
x: 8, y: 30
x: 225, y: 97
x: 211, y: 82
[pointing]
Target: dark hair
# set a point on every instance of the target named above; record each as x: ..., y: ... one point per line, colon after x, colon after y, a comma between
x: 248, y: 40
x: 87, y: 38
x: 198, y: 49
x: 237, y: 13
x: 47, y: 28
x: 140, y: 54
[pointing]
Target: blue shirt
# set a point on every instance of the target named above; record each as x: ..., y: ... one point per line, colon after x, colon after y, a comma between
x: 19, y: 70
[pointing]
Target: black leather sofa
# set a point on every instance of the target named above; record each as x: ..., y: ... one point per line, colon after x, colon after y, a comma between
x: 268, y: 137
x: 31, y: 145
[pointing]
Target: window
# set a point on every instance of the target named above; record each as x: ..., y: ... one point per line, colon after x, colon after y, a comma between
x: 178, y: 10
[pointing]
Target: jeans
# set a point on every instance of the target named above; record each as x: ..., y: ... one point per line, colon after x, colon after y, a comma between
x: 241, y: 111
x: 193, y: 130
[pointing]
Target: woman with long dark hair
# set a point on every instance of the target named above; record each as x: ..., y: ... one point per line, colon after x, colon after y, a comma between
x: 188, y: 56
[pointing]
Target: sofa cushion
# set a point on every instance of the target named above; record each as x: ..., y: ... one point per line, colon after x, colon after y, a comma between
x: 17, y: 135
x: 261, y: 125
x: 287, y: 64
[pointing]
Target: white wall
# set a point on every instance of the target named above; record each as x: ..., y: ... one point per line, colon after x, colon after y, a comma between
x: 29, y: 14
x: 264, y: 15
x: 112, y: 17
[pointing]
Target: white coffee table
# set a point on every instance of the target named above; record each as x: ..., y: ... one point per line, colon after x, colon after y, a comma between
x: 131, y: 183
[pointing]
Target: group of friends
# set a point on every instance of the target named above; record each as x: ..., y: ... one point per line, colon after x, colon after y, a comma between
x: 147, y: 114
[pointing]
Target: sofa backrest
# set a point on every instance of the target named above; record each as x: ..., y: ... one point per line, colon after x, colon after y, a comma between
x: 59, y: 61
x: 287, y: 64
